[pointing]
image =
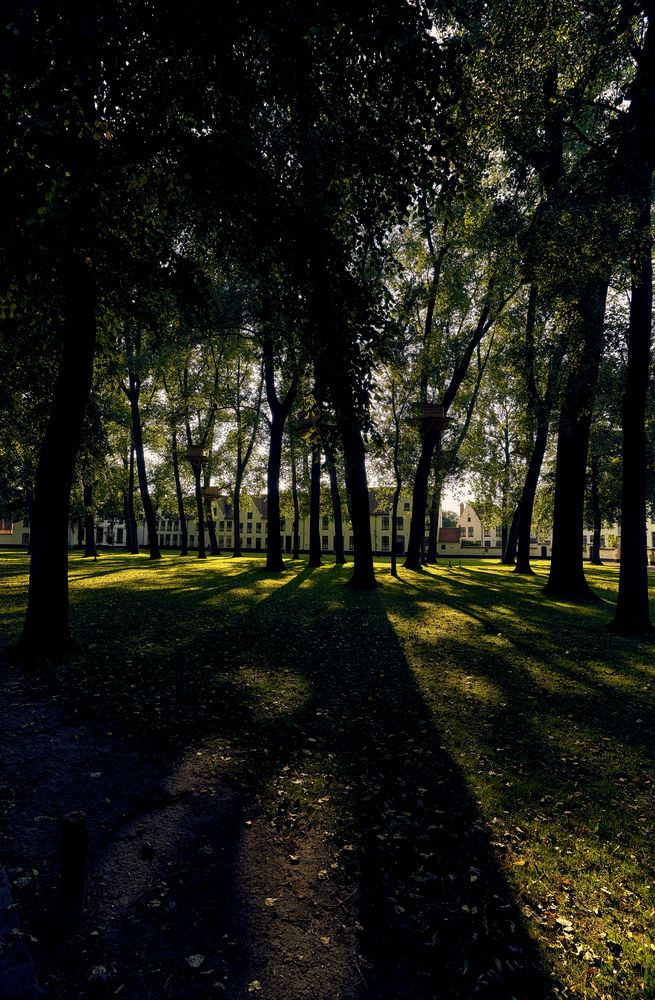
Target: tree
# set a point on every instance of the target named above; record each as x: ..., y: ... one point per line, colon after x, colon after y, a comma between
x: 280, y: 408
x: 635, y: 163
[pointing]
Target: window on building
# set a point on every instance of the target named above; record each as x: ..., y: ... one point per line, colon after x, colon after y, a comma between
x: 249, y: 542
x: 221, y: 525
x: 98, y: 536
x: 228, y: 541
x: 282, y: 523
x: 119, y: 536
x: 385, y: 522
x: 174, y: 541
x: 221, y: 540
x: 241, y: 527
x: 161, y: 541
x: 602, y: 541
x: 228, y: 526
x: 584, y: 539
x: 258, y: 528
x: 470, y: 532
x: 25, y: 538
x: 487, y: 533
x: 487, y: 543
x: 249, y: 515
x: 468, y: 519
x: 399, y: 522
x: 169, y: 523
x: 351, y: 542
x: 176, y: 524
x: 168, y: 539
x: 385, y: 542
x: 192, y: 539
x: 406, y: 505
x: 325, y: 523
x: 443, y: 546
x: 324, y: 542
x: 249, y: 529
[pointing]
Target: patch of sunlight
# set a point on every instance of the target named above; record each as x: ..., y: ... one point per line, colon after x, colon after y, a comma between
x: 560, y: 676
x: 635, y: 678
x: 277, y: 692
x: 473, y: 686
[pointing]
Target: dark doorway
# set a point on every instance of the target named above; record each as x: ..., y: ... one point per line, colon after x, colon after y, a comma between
x: 400, y: 545
x: 544, y: 552
x: 287, y: 543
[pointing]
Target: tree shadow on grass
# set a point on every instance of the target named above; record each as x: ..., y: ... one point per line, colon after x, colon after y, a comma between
x: 327, y: 727
x: 437, y: 914
x: 558, y: 720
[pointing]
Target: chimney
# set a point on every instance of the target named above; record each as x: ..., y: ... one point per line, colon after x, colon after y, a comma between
x: 461, y: 508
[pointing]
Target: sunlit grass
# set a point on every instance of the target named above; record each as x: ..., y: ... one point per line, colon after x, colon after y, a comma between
x: 551, y: 718
x: 548, y: 715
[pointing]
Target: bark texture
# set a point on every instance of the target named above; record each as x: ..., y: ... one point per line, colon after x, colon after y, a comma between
x: 46, y: 630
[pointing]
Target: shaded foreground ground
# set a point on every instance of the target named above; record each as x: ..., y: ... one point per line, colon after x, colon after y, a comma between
x: 440, y: 789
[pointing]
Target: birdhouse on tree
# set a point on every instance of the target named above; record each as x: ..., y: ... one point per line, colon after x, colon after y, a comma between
x: 197, y: 454
x: 431, y: 416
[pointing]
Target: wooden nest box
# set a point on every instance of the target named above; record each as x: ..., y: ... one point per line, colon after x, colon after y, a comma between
x: 196, y: 454
x: 211, y: 492
x: 429, y: 411
x: 431, y: 415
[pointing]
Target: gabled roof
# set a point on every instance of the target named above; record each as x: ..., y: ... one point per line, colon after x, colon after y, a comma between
x: 261, y: 503
x: 449, y: 534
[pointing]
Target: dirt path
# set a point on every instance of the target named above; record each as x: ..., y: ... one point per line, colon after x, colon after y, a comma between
x: 188, y: 895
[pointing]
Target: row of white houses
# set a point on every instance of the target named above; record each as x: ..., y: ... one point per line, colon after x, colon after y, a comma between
x: 471, y: 537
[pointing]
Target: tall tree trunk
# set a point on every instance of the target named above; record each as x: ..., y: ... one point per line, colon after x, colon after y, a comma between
x: 429, y: 441
x: 208, y: 506
x: 137, y: 434
x: 526, y: 503
x: 46, y: 630
x: 130, y: 515
x: 339, y: 547
x: 89, y: 523
x: 179, y: 496
x: 274, y: 560
x: 433, y: 534
x: 394, y: 526
x: 280, y: 410
x: 200, y: 513
x: 296, y: 507
x: 632, y: 611
x: 236, y: 510
x: 211, y: 528
x: 567, y: 581
x: 315, y: 509
x: 509, y: 547
x: 243, y: 457
x: 595, y: 513
x: 354, y: 454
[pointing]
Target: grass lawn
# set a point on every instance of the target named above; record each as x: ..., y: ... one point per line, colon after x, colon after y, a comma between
x: 481, y: 757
